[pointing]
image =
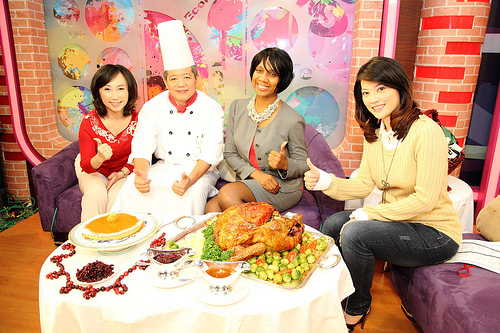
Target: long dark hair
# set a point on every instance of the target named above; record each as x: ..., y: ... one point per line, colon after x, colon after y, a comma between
x: 102, y: 77
x: 390, y: 73
x: 280, y: 62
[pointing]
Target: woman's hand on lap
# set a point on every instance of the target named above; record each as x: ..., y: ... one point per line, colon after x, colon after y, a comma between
x: 267, y: 181
x: 113, y: 178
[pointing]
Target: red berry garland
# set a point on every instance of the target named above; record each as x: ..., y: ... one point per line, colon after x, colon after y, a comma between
x: 89, y: 291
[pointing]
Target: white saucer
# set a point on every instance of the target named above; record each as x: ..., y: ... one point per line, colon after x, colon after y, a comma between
x: 185, y: 275
x: 201, y: 291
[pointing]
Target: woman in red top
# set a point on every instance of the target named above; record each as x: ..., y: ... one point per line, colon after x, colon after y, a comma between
x: 105, y: 139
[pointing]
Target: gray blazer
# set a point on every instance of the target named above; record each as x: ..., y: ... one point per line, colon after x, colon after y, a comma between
x: 288, y: 125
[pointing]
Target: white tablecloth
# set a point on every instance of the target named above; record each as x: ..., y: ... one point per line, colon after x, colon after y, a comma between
x: 145, y: 308
x: 461, y: 195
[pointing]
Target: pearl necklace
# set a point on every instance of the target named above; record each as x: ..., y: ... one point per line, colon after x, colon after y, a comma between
x: 266, y: 114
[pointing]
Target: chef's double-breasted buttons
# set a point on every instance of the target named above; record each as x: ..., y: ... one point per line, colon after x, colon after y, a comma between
x: 183, y: 132
x: 259, y: 159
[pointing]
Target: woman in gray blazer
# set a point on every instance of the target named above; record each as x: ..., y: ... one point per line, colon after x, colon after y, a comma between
x: 265, y: 143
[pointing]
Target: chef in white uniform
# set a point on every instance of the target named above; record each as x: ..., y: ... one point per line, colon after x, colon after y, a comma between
x: 183, y: 127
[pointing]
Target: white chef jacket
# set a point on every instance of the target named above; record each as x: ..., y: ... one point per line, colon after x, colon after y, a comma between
x: 178, y: 140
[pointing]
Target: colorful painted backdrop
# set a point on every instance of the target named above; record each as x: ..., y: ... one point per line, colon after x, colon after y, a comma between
x: 223, y: 36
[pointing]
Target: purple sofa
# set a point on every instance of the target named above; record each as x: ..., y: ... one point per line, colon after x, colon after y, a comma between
x: 439, y: 300
x: 57, y: 192
x: 59, y: 197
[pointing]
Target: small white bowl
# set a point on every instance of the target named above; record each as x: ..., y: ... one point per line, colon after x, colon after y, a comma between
x: 221, y: 275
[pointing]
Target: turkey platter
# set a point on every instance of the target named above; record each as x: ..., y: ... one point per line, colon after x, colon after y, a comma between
x: 253, y: 228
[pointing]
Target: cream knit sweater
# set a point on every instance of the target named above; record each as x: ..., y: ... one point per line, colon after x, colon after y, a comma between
x: 417, y: 178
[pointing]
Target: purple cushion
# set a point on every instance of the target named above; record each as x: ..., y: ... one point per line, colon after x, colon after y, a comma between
x: 69, y: 209
x: 321, y: 156
x: 308, y: 208
x: 442, y: 301
x: 51, y: 178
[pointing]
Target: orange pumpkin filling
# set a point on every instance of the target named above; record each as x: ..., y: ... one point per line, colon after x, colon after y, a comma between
x: 112, y: 227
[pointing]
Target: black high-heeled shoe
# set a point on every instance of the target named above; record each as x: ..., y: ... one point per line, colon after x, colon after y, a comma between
x: 361, y: 322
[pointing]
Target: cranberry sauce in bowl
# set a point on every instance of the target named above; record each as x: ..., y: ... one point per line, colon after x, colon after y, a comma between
x: 167, y: 258
x: 170, y: 261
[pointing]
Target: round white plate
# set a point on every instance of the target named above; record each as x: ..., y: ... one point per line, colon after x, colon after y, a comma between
x: 201, y: 291
x: 109, y: 246
x: 184, y: 277
x: 73, y: 269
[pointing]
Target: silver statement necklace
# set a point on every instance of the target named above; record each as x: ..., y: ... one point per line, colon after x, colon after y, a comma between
x: 385, y: 183
x: 266, y: 114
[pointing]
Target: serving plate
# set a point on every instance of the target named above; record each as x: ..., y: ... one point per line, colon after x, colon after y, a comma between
x: 324, y: 261
x: 117, y: 246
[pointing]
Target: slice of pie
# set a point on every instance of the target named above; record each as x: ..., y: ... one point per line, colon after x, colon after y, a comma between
x: 113, y: 226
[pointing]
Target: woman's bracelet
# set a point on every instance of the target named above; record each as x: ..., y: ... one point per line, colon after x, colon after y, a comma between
x: 124, y: 174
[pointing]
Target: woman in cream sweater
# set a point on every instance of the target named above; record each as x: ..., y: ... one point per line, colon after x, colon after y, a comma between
x: 405, y: 156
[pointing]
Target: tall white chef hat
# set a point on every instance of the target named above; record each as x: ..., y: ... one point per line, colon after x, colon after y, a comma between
x: 174, y: 45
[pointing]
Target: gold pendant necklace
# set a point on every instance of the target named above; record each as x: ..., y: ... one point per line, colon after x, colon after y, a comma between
x: 386, y: 184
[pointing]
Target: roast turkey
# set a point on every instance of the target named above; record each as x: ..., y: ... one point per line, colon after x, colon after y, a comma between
x: 253, y: 228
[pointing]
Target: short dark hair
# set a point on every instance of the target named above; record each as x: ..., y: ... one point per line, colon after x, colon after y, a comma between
x: 102, y: 77
x: 392, y: 74
x: 194, y: 69
x: 280, y: 62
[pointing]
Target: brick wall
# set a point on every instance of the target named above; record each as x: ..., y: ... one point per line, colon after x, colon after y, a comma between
x: 366, y: 40
x: 30, y: 39
x: 448, y: 59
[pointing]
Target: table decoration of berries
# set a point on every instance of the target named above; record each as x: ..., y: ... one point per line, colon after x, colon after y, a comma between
x: 90, y: 291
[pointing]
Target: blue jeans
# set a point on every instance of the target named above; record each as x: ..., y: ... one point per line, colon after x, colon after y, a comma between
x: 400, y: 243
